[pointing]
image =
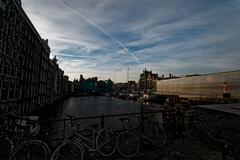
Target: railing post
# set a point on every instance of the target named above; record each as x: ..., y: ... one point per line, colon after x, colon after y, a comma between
x: 102, y: 121
x: 64, y: 127
x: 141, y: 120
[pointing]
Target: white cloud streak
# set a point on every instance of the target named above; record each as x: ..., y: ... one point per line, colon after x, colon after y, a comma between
x: 101, y: 29
x: 196, y: 36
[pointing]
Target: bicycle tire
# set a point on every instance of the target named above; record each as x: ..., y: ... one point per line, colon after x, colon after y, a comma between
x: 231, y: 136
x: 128, y: 144
x: 106, y: 143
x: 61, y: 154
x: 199, y: 133
x: 154, y: 134
x: 34, y: 150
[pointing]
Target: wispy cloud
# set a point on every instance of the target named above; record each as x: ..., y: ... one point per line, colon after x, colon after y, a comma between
x: 102, y: 38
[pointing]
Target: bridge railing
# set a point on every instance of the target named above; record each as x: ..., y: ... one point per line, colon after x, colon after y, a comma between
x: 62, y: 125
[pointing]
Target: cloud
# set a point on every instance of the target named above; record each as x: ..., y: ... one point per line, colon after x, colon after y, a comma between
x: 181, y: 37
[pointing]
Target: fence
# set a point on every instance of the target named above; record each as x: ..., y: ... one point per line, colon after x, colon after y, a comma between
x: 59, y: 127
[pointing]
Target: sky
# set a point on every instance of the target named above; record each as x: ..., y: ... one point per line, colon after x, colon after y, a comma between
x: 104, y: 37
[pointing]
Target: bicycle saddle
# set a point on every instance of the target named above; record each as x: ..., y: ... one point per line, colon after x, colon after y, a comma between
x: 95, y: 126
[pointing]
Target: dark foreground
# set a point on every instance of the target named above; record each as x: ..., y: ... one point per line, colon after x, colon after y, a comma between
x: 188, y: 130
x: 177, y: 149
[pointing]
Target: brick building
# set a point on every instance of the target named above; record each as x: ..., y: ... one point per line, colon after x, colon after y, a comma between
x: 26, y: 72
x: 148, y: 81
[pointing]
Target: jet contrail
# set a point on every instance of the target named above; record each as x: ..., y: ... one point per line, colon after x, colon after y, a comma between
x: 101, y: 29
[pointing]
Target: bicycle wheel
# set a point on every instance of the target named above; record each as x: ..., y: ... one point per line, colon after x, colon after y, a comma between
x: 128, y: 144
x: 106, y: 143
x: 198, y: 132
x: 231, y: 136
x: 68, y: 151
x: 154, y: 134
x: 31, y: 150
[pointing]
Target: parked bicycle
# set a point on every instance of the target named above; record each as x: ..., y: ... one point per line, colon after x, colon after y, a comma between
x: 18, y: 139
x: 147, y: 131
x: 227, y: 136
x: 174, y: 122
x: 78, y: 140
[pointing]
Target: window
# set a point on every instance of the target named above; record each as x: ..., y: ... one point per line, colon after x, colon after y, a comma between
x: 1, y: 66
x: 5, y: 87
x: 5, y: 68
x: 11, y: 91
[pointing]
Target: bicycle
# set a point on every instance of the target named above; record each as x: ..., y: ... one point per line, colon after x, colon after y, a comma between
x: 147, y: 131
x: 19, y: 145
x: 101, y: 141
x: 227, y: 136
x: 174, y: 122
x: 12, y: 134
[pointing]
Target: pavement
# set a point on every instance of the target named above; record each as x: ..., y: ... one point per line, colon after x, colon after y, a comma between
x: 175, y: 149
x: 233, y: 109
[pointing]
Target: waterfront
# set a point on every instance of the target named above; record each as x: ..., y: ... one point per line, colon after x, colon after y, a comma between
x: 92, y: 106
x: 89, y: 106
x: 57, y: 56
x: 179, y: 148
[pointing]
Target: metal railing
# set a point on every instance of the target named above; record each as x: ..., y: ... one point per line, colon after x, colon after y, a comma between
x: 101, y: 119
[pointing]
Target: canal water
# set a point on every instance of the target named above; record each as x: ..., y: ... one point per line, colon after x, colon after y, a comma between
x: 92, y: 106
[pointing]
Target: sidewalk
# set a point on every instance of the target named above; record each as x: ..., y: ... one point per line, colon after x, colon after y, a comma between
x: 181, y: 149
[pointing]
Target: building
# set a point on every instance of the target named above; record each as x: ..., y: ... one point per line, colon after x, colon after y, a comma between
x: 65, y: 86
x: 59, y: 89
x: 214, y: 86
x: 133, y: 87
x: 125, y: 88
x: 120, y: 87
x: 26, y: 72
x: 109, y: 85
x: 89, y: 85
x: 148, y: 81
x: 92, y: 85
x: 105, y: 86
x: 24, y: 57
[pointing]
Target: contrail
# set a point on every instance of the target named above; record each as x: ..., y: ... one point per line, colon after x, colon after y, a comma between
x: 101, y: 29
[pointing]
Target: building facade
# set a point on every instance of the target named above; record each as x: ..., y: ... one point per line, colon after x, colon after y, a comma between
x: 92, y: 85
x: 148, y: 81
x: 25, y: 69
x: 214, y: 86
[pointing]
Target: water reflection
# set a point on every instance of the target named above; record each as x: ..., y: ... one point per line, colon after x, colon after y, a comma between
x: 94, y: 106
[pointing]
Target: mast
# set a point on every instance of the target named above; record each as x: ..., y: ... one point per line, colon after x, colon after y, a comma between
x: 128, y: 83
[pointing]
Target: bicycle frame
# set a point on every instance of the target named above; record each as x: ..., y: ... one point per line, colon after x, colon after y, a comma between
x: 211, y: 134
x: 89, y: 143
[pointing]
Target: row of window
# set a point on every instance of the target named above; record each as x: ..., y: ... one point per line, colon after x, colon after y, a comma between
x: 25, y: 67
x: 11, y: 89
x: 19, y: 107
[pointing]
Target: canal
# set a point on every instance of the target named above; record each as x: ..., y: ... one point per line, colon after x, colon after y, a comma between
x: 92, y: 106
x: 88, y: 106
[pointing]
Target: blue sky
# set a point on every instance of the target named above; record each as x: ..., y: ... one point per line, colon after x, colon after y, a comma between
x: 104, y: 37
